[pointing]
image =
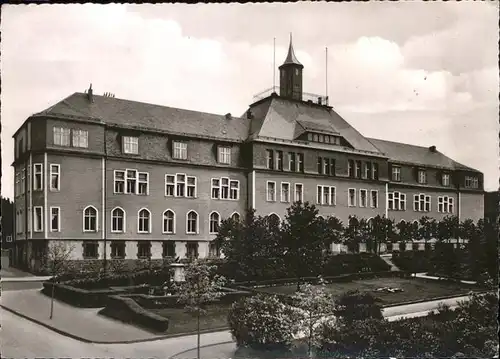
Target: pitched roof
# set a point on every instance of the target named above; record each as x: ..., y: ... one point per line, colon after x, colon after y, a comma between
x: 280, y: 118
x: 402, y: 152
x: 117, y: 111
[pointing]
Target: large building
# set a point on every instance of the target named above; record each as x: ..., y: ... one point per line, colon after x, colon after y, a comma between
x: 128, y: 179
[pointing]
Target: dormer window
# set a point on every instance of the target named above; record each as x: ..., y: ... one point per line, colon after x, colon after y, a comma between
x: 224, y: 155
x: 422, y: 176
x: 445, y: 179
x: 471, y: 182
x: 180, y: 150
x: 130, y: 145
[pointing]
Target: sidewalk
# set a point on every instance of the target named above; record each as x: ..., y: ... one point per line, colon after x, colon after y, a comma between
x: 26, y: 279
x: 79, y: 323
x: 425, y: 276
x: 13, y: 273
x: 388, y: 259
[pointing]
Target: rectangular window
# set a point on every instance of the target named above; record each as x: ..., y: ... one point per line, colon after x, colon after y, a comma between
x: 55, y: 219
x: 374, y: 199
x: 422, y: 176
x: 292, y: 161
x: 90, y: 249
x: 224, y: 193
x: 445, y: 204
x: 358, y: 169
x: 299, y: 193
x: 319, y: 192
x: 80, y: 138
x: 191, y: 187
x: 333, y: 196
x: 427, y: 203
x: 61, y: 136
x: 326, y: 195
x: 326, y: 166
x: 271, y: 191
x: 214, y: 250
x: 396, y: 201
x: 16, y: 187
x: 320, y: 165
x: 131, y: 181
x: 350, y: 168
x: 38, y: 219
x: 450, y: 204
x: 23, y: 180
x: 375, y: 171
x: 445, y: 179
x: 169, y: 249
x: 143, y: 183
x: 300, y: 162
x: 143, y: 249
x: 192, y: 250
x: 285, y: 192
x: 224, y: 155
x: 215, y: 188
x: 130, y: 145
x: 55, y: 177
x: 270, y: 159
x: 279, y: 160
x: 369, y: 170
x: 234, y: 189
x: 169, y: 185
x: 180, y: 150
x: 471, y: 182
x: 363, y: 197
x: 365, y: 170
x: 180, y: 185
x: 332, y: 167
x: 119, y: 181
x: 352, y: 197
x: 37, y: 177
x: 396, y: 173
x: 118, y: 249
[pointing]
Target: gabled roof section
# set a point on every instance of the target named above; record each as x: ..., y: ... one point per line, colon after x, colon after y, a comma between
x: 284, y: 119
x: 115, y: 111
x: 402, y: 152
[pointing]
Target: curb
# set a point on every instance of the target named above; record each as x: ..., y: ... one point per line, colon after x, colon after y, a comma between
x: 81, y: 339
x: 201, y: 347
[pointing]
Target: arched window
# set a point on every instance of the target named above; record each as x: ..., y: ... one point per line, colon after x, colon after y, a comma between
x: 144, y: 221
x: 168, y: 221
x: 369, y: 223
x: 192, y: 222
x: 90, y: 219
x: 353, y: 222
x: 214, y: 222
x: 118, y: 220
x: 274, y: 219
x: 235, y: 217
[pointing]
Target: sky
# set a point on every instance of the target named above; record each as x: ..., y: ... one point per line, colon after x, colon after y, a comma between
x: 423, y: 73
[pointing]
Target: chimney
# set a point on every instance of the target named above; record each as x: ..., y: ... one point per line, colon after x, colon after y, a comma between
x: 320, y: 101
x: 432, y: 148
x: 90, y: 96
x: 249, y: 114
x: 228, y: 116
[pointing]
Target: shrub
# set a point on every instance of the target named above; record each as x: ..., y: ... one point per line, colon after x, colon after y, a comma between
x: 128, y: 311
x: 414, y: 246
x: 263, y: 322
x: 402, y: 246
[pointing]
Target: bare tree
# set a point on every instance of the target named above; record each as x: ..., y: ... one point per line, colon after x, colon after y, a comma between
x: 58, y: 255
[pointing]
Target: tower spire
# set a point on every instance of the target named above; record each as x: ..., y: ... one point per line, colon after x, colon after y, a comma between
x: 291, y: 58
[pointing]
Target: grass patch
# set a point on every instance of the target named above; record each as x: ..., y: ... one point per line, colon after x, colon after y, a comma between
x: 182, y: 322
x: 413, y: 289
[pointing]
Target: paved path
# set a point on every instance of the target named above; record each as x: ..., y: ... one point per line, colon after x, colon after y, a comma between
x: 424, y: 275
x: 21, y: 338
x: 388, y: 259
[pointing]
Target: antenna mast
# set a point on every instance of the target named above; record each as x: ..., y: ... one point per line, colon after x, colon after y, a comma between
x: 274, y: 63
x: 326, y: 75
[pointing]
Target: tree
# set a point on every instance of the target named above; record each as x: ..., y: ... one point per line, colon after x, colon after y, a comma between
x: 353, y: 234
x: 380, y: 231
x: 201, y: 286
x: 263, y: 322
x: 355, y: 305
x: 333, y: 230
x: 56, y: 263
x: 426, y: 229
x: 315, y: 302
x: 302, y: 240
x: 250, y: 247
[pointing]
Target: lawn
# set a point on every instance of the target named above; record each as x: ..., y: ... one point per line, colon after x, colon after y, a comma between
x: 182, y: 322
x: 413, y: 289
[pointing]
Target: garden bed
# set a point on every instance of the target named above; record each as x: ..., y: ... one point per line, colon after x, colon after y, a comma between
x: 413, y: 289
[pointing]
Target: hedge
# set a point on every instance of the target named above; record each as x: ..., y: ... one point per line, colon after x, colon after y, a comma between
x: 128, y: 311
x: 413, y: 261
